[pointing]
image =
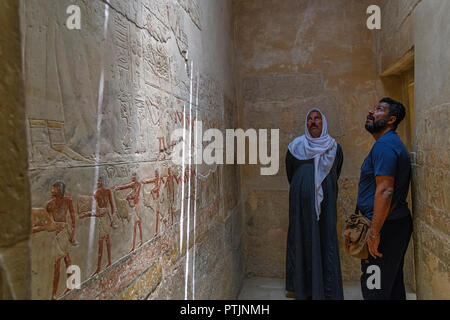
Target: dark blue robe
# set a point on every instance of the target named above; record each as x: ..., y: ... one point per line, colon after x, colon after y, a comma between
x: 313, y: 269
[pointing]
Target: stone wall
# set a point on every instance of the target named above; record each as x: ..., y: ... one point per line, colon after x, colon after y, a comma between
x: 292, y: 56
x: 15, y: 263
x: 101, y: 103
x: 431, y: 175
x: 396, y: 36
x: 422, y: 28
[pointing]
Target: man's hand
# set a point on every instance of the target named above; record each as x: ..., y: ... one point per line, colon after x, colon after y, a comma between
x: 59, y: 226
x: 373, y: 243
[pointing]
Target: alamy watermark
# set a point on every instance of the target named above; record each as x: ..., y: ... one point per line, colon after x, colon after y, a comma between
x: 73, y: 277
x: 73, y: 22
x: 374, y: 20
x: 213, y: 153
x: 374, y: 281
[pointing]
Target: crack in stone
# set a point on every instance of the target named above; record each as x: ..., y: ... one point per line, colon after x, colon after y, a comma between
x: 106, y: 2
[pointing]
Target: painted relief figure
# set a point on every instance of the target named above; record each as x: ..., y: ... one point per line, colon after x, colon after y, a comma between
x: 170, y: 185
x: 189, y: 178
x: 104, y: 211
x: 58, y: 208
x: 155, y: 193
x: 133, y: 202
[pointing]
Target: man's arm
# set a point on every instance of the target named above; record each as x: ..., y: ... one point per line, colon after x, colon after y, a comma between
x: 110, y: 202
x: 37, y: 229
x: 54, y: 226
x: 72, y: 218
x: 382, y: 204
x: 125, y: 186
x: 86, y: 215
x: 148, y: 181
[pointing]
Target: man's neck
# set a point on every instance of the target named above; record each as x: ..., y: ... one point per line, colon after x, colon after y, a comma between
x: 378, y: 135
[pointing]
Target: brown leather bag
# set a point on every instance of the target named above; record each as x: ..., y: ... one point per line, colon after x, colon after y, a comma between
x: 356, y: 231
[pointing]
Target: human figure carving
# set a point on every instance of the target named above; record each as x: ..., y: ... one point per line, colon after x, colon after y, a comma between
x: 170, y: 185
x: 104, y: 212
x: 58, y: 208
x: 155, y: 192
x: 133, y: 202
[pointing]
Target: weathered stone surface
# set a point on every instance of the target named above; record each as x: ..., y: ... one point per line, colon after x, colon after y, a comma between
x: 432, y: 264
x: 397, y: 20
x: 102, y: 102
x: 424, y: 25
x: 15, y: 271
x: 266, y: 223
x: 280, y: 87
x: 14, y: 193
x: 15, y: 222
x: 144, y: 285
x: 430, y: 190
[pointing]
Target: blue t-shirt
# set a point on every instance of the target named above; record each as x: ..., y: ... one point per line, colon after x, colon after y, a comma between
x: 388, y: 157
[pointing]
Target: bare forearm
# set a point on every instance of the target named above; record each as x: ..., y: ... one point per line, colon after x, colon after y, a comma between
x: 126, y: 186
x: 38, y: 229
x: 382, y: 203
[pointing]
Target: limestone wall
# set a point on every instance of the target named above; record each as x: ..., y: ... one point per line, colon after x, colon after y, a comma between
x: 431, y: 173
x: 292, y: 56
x: 423, y: 27
x: 15, y: 263
x: 102, y: 102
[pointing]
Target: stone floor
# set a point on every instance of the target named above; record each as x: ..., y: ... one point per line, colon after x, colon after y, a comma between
x: 273, y: 289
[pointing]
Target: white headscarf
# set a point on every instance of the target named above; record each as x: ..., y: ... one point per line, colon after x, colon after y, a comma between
x: 322, y: 150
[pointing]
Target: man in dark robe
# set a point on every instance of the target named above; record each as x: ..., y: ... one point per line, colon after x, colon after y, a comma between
x: 313, y: 165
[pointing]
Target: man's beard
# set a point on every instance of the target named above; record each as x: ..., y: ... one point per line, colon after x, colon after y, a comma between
x: 376, y: 126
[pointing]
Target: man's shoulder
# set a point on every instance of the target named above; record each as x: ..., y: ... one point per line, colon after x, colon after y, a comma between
x: 391, y: 142
x: 392, y: 149
x: 67, y: 199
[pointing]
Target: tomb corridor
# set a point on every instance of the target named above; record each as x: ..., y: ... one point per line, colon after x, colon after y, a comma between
x: 93, y: 91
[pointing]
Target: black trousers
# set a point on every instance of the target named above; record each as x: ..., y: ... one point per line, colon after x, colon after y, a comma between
x: 395, y: 236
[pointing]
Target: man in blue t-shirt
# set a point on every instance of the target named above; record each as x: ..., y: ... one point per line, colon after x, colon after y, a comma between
x: 382, y: 192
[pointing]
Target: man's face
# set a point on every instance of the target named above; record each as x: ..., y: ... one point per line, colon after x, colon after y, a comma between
x: 99, y: 183
x: 314, y: 124
x: 378, y: 118
x: 55, y: 192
